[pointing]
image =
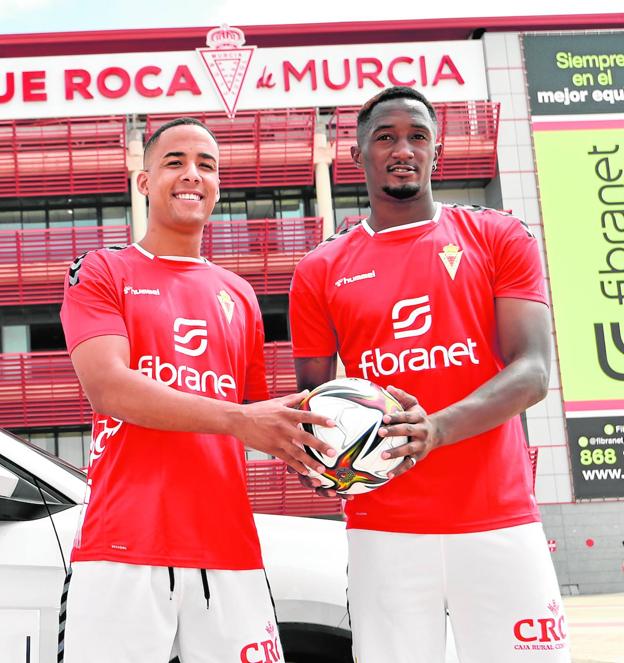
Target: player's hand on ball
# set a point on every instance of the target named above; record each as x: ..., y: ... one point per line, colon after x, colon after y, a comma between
x: 414, y: 423
x: 316, y: 486
x: 273, y: 426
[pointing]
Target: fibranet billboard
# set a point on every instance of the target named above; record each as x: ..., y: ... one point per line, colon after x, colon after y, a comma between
x: 576, y: 89
x: 572, y: 74
x: 226, y: 75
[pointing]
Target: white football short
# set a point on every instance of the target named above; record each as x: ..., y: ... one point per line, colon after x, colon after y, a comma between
x: 499, y: 588
x: 127, y: 613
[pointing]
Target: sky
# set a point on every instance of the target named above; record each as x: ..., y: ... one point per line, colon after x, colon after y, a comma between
x: 23, y: 16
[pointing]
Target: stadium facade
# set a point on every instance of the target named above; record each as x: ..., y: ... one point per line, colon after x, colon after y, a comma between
x: 532, y: 121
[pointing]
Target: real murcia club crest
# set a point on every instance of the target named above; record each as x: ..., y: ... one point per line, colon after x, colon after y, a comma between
x: 227, y: 62
x: 451, y: 257
x: 227, y: 304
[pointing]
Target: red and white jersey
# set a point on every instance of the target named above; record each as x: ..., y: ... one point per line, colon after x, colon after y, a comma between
x: 157, y: 497
x: 413, y: 307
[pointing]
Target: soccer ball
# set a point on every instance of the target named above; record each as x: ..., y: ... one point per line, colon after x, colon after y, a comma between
x: 357, y: 406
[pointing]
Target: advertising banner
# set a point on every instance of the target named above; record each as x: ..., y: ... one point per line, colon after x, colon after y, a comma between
x: 579, y: 152
x: 572, y: 74
x: 226, y: 75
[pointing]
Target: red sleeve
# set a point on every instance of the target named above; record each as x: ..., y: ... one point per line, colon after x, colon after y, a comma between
x: 518, y: 267
x: 91, y: 305
x: 311, y: 326
x: 255, y: 378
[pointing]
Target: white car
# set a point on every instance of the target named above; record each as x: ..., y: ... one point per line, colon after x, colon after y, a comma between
x: 40, y: 498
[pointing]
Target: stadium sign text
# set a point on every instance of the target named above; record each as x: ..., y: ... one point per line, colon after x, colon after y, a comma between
x: 227, y: 75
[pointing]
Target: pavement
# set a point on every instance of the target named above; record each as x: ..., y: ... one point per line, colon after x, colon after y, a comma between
x: 596, y: 626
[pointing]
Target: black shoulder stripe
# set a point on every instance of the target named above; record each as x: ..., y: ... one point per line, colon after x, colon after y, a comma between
x: 338, y: 234
x: 502, y: 212
x: 528, y: 230
x: 466, y: 206
x: 74, y: 268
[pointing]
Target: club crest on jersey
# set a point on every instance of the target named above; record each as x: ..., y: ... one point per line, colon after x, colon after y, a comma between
x: 451, y: 256
x: 227, y: 304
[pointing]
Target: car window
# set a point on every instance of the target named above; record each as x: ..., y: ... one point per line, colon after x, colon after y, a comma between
x: 51, y: 457
x: 26, y: 488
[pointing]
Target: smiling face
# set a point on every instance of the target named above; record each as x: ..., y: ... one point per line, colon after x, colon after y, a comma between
x: 397, y: 150
x: 181, y: 179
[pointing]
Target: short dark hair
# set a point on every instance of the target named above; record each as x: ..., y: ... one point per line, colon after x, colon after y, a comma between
x: 177, y: 122
x: 397, y: 92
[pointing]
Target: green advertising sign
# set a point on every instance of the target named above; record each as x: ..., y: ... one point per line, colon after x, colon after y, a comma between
x: 597, y: 456
x: 576, y: 96
x: 581, y: 178
x: 575, y: 73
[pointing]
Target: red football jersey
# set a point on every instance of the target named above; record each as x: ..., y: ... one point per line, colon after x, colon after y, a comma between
x: 158, y: 497
x: 413, y: 307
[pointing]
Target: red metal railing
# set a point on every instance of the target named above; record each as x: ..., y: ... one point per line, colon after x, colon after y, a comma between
x: 468, y: 131
x: 533, y: 454
x: 41, y: 388
x: 274, y: 490
x: 33, y: 263
x: 263, y: 251
x: 63, y: 156
x: 349, y: 222
x: 280, y: 368
x: 259, y: 148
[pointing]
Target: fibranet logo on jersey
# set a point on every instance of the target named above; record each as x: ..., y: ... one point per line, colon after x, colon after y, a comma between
x: 411, y: 309
x: 187, y: 343
x: 414, y: 317
x: 190, y: 338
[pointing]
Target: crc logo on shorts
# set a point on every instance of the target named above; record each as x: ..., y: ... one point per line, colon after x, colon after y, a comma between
x: 264, y: 651
x: 190, y: 336
x: 411, y: 317
x: 545, y: 633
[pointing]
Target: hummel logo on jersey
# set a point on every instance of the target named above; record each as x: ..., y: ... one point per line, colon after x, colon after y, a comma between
x: 194, y: 340
x: 406, y: 312
x: 451, y: 256
x: 358, y: 277
x: 129, y: 290
x: 227, y: 304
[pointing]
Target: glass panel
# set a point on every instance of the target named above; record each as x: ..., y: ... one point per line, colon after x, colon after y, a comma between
x: 46, y: 336
x: 61, y: 218
x: 15, y: 338
x: 115, y: 216
x: 71, y: 448
x: 86, y: 447
x: 44, y: 441
x: 260, y: 209
x: 276, y: 326
x: 291, y: 207
x: 238, y: 210
x: 85, y: 216
x: 34, y: 218
x: 10, y: 220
